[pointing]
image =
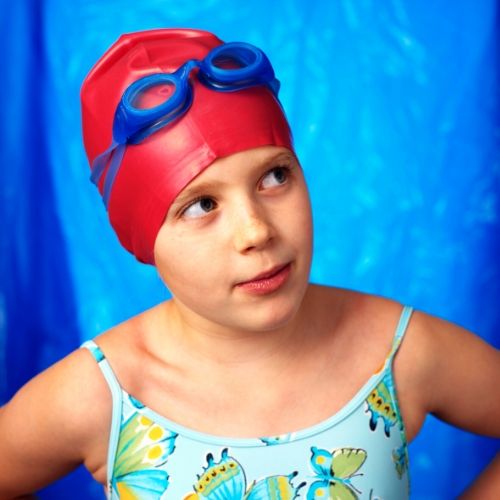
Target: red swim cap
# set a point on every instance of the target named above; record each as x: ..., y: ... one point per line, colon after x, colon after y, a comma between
x: 154, y: 172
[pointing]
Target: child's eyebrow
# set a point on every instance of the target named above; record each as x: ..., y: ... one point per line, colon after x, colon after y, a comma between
x: 207, y: 186
x: 193, y: 191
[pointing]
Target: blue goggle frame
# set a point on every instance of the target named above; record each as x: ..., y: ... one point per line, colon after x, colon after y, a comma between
x: 131, y: 125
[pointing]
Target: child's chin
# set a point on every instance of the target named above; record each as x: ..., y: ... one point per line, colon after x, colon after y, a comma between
x: 272, y: 319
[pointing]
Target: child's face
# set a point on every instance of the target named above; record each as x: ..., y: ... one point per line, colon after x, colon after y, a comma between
x: 241, y: 217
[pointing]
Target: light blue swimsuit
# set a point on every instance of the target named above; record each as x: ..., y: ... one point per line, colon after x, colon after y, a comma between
x: 359, y: 452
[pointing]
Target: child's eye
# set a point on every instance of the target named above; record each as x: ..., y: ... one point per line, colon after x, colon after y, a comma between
x: 199, y: 208
x: 275, y: 177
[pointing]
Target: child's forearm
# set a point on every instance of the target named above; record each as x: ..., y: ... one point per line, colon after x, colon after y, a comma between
x: 487, y: 484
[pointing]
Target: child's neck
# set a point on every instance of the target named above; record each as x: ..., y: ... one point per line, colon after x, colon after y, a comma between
x: 219, y: 345
x: 214, y: 345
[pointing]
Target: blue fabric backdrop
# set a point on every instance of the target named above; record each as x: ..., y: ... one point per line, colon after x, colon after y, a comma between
x: 395, y: 110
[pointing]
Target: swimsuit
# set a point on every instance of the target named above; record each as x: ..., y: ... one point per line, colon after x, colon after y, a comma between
x: 359, y: 452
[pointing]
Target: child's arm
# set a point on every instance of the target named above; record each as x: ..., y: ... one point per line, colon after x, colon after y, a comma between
x: 50, y: 425
x: 463, y: 385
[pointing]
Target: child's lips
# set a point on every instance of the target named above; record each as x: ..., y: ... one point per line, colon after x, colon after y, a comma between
x: 268, y: 281
x: 265, y: 274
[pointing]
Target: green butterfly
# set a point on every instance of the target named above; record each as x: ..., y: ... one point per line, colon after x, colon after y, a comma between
x: 335, y: 471
x: 143, y: 446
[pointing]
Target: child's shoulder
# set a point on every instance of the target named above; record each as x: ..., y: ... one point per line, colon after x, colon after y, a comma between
x: 63, y: 415
x: 64, y: 389
x: 354, y: 301
x: 358, y: 327
x: 374, y: 315
x: 373, y: 320
x: 129, y: 345
x: 58, y: 417
x: 431, y: 368
x: 366, y: 337
x: 359, y: 313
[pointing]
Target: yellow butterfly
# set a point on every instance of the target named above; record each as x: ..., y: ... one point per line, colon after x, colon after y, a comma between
x: 381, y: 405
x: 226, y: 480
x: 142, y: 447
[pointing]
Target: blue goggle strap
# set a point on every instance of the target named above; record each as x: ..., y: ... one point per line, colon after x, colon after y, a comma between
x: 114, y: 156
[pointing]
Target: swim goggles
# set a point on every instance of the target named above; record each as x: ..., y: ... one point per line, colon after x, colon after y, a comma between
x: 131, y: 125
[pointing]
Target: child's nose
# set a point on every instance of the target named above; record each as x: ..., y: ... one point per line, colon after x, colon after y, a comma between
x: 252, y: 230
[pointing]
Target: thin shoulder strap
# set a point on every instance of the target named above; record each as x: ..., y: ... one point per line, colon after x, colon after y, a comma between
x: 103, y: 364
x: 116, y: 395
x: 400, y: 332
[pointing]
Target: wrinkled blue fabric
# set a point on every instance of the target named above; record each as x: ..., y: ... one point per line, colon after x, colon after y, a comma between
x: 394, y: 107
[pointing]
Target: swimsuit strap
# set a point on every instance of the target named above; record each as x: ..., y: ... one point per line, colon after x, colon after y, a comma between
x: 103, y: 364
x: 116, y: 395
x: 400, y: 332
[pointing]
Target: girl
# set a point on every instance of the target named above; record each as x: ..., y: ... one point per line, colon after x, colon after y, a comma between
x: 250, y: 382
